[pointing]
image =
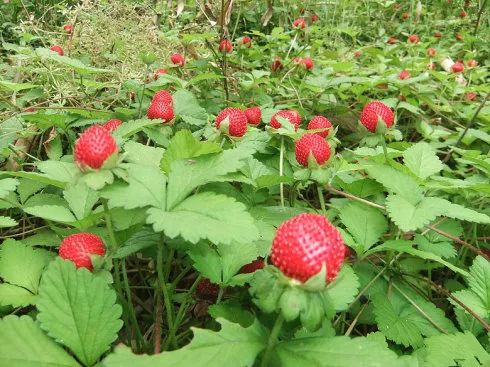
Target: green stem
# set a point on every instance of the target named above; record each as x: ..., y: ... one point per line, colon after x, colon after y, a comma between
x: 281, y: 169
x: 110, y: 228
x: 319, y: 189
x: 385, y: 149
x: 272, y: 341
x: 122, y: 300
x: 143, y: 91
x: 132, y: 313
x: 163, y: 286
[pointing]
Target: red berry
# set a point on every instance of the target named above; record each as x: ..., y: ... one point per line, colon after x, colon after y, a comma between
x: 304, y: 244
x: 163, y: 96
x: 93, y: 147
x: 276, y: 64
x: 315, y: 18
x: 459, y: 36
x: 405, y: 15
x: 472, y: 63
x: 291, y: 115
x: 255, y: 265
x: 254, y: 115
x: 431, y: 52
x: 462, y: 14
x: 392, y: 40
x: 68, y: 28
x: 225, y: 46
x: 320, y: 122
x: 299, y: 23
x: 78, y: 248
x: 206, y: 289
x: 58, y: 50
x: 312, y: 144
x: 307, y: 63
x: 375, y: 111
x: 159, y: 109
x: 357, y: 54
x: 431, y: 66
x: 437, y: 34
x: 457, y: 67
x: 112, y: 125
x: 159, y: 72
x: 470, y: 96
x: 246, y: 41
x: 177, y: 59
x: 404, y: 74
x: 413, y: 38
x: 237, y: 121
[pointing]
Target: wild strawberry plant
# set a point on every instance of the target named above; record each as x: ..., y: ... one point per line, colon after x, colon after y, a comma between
x: 294, y: 184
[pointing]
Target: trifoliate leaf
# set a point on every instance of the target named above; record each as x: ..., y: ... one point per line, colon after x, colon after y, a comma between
x: 79, y: 310
x: 364, y: 222
x: 455, y: 350
x: 422, y: 160
x: 410, y: 217
x: 22, y: 265
x: 233, y: 345
x: 217, y: 218
x: 146, y: 186
x: 23, y: 344
x: 81, y: 199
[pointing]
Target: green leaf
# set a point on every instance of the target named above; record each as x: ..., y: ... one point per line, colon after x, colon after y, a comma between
x: 217, y: 218
x: 27, y: 188
x: 81, y: 199
x: 233, y: 345
x: 16, y: 87
x: 455, y: 350
x: 59, y: 171
x: 364, y: 222
x: 6, y: 222
x: 137, y: 242
x: 396, y: 182
x: 186, y: 175
x: 51, y: 212
x: 187, y: 107
x: 12, y: 295
x: 183, y: 146
x: 23, y: 344
x: 339, y: 351
x: 142, y: 154
x: 22, y: 265
x: 77, y: 65
x: 9, y: 130
x: 343, y: 289
x: 132, y: 127
x: 410, y: 217
x: 79, y: 310
x: 7, y: 185
x: 457, y: 211
x: 422, y: 160
x: 146, y: 186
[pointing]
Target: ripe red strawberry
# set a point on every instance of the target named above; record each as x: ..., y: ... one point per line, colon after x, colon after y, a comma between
x: 431, y: 52
x: 237, y: 121
x: 177, y: 59
x: 431, y: 66
x: 307, y: 63
x: 405, y: 15
x: 357, y: 54
x: 276, y: 64
x: 159, y: 109
x: 58, y: 50
x: 207, y: 290
x: 437, y: 34
x: 457, y: 67
x: 315, y: 18
x: 304, y: 244
x: 254, y: 115
x: 159, y: 72
x: 163, y: 96
x: 246, y: 41
x: 392, y: 40
x: 375, y: 111
x: 404, y: 74
x: 225, y: 46
x: 78, y: 248
x: 299, y: 23
x: 459, y: 37
x: 68, y: 28
x: 255, y: 265
x: 462, y: 14
x: 112, y: 125
x: 93, y: 147
x: 320, y: 122
x: 291, y: 115
x: 413, y: 38
x: 470, y: 96
x: 472, y: 63
x: 312, y: 144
